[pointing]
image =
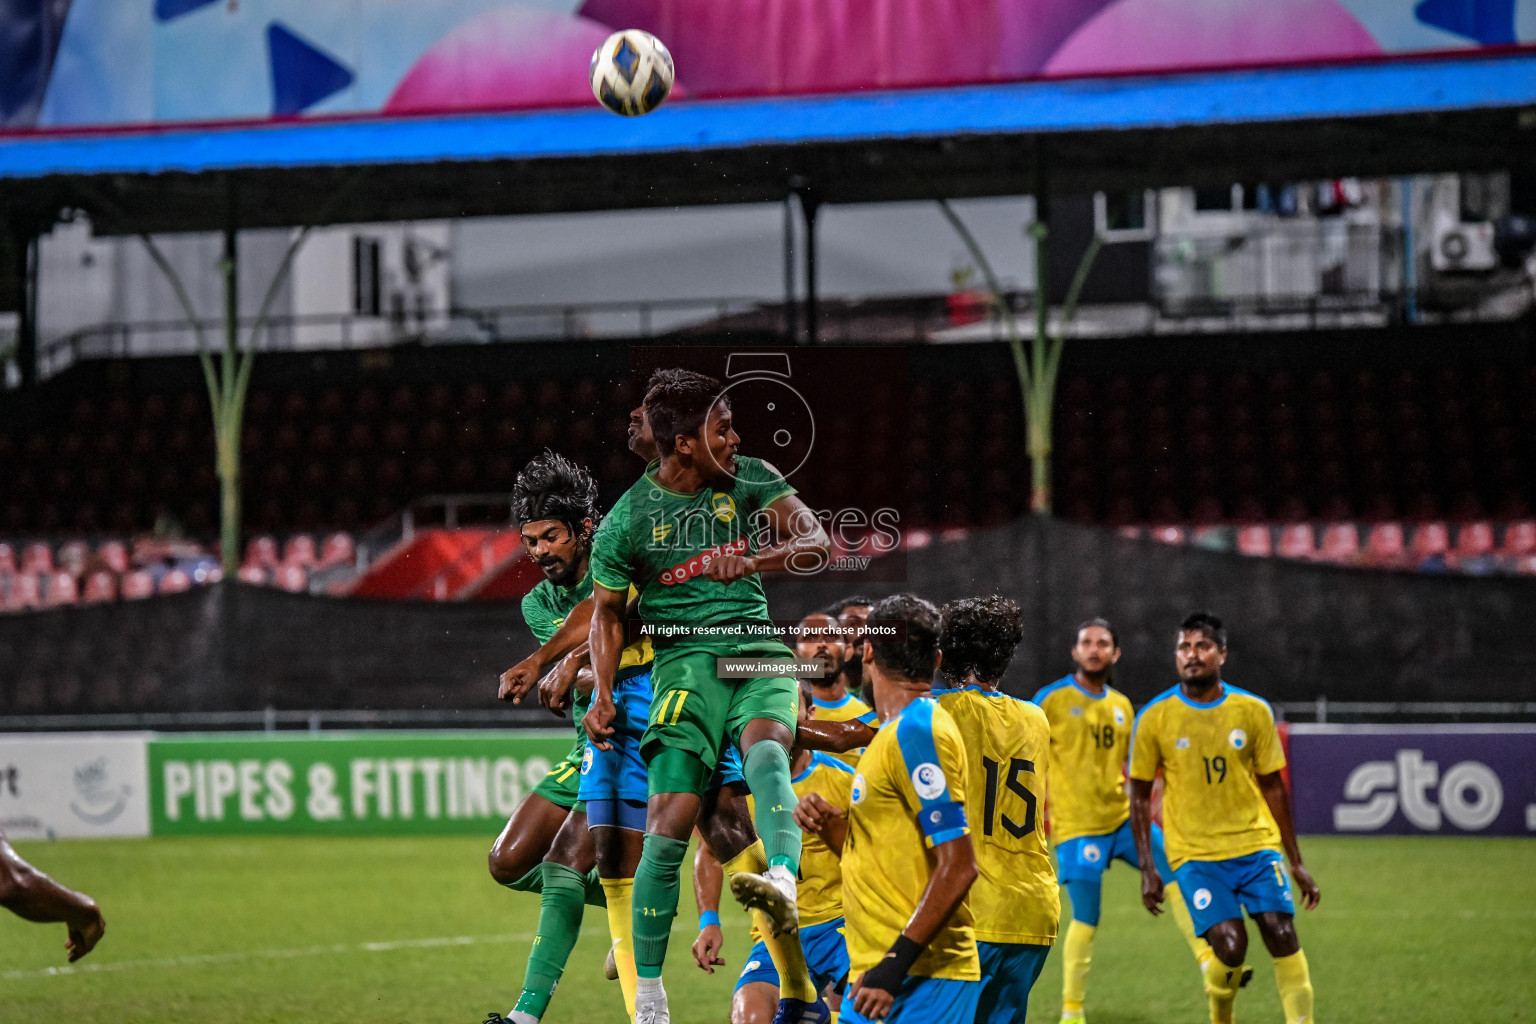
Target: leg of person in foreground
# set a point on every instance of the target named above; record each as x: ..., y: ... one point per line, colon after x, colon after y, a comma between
x: 618, y: 857
x: 566, y: 874
x: 33, y: 896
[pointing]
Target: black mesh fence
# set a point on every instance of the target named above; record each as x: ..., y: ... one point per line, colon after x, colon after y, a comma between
x: 1298, y: 631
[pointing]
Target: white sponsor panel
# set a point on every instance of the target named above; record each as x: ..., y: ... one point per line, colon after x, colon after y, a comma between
x: 80, y: 785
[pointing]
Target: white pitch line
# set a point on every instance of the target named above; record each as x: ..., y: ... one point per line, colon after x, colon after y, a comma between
x: 208, y: 959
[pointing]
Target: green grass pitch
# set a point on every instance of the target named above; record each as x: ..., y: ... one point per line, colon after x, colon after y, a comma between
x: 386, y: 930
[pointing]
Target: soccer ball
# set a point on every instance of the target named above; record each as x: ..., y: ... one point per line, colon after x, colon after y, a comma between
x: 631, y: 73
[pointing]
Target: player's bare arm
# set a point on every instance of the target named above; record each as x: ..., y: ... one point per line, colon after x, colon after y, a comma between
x: 953, y: 872
x: 1279, y: 801
x: 833, y: 737
x: 557, y: 684
x: 33, y: 896
x: 1141, y: 832
x: 606, y: 639
x: 815, y: 813
x: 708, y: 881
x: 798, y: 542
x: 522, y: 677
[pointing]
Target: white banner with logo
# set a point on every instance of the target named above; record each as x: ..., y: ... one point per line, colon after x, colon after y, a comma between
x: 74, y: 786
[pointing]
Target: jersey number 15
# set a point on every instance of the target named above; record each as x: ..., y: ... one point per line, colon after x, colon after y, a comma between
x: 1016, y: 767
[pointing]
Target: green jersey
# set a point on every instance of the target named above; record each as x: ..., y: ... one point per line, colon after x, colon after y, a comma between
x: 544, y: 609
x: 661, y: 540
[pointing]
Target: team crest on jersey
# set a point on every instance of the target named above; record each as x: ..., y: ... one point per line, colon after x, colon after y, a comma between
x: 856, y: 794
x: 1238, y: 739
x: 1092, y: 853
x: 1183, y: 743
x: 724, y: 506
x: 1202, y: 898
x: 1119, y: 716
x: 752, y: 965
x: 1078, y: 711
x: 928, y: 779
x: 586, y: 761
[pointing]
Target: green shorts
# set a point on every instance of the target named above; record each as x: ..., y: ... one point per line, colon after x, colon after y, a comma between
x: 560, y: 786
x: 694, y: 710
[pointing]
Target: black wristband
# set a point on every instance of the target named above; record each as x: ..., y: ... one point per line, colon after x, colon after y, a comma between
x: 892, y: 970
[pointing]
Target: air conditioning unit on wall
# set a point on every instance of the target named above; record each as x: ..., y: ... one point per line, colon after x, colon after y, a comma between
x: 1464, y: 247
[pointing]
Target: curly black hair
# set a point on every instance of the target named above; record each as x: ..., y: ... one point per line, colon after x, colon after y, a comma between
x: 910, y: 652
x: 553, y: 487
x: 678, y: 402
x: 1210, y: 625
x: 980, y: 635
x: 836, y: 607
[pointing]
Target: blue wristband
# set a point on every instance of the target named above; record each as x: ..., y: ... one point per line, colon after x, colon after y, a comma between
x: 709, y: 917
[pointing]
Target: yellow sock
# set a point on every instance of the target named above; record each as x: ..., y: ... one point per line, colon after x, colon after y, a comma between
x: 1076, y: 952
x: 833, y: 1018
x: 1295, y: 983
x: 753, y: 861
x: 784, y: 950
x: 620, y: 893
x: 1198, y: 946
x: 1221, y: 984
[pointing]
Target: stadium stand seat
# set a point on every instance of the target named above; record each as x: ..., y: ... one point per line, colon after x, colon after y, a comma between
x: 60, y: 589
x: 1385, y: 546
x: 255, y: 575
x: 299, y: 551
x: 136, y: 585
x: 37, y: 558
x: 1255, y: 541
x: 114, y: 554
x: 1167, y: 534
x: 1519, y: 538
x: 1341, y: 543
x: 7, y: 558
x: 291, y: 578
x: 175, y: 581
x: 1296, y: 541
x: 1430, y: 539
x: 100, y: 587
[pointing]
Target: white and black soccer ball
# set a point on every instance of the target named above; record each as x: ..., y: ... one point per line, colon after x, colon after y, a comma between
x: 631, y: 73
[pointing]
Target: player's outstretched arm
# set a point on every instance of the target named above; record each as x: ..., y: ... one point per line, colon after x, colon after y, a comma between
x: 815, y: 813
x: 1141, y: 832
x: 1273, y: 788
x: 708, y: 881
x: 607, y: 645
x: 954, y: 871
x: 522, y: 677
x: 833, y: 737
x: 799, y: 545
x: 33, y: 896
x: 556, y: 686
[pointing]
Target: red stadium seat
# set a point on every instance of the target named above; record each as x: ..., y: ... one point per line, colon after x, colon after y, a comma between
x: 291, y: 578
x: 61, y: 590
x: 255, y: 575
x: 37, y: 558
x: 261, y: 551
x: 339, y: 549
x: 115, y: 554
x: 1474, y: 539
x: 1520, y: 538
x: 175, y: 582
x: 1385, y: 545
x: 1255, y: 541
x: 137, y: 584
x: 24, y: 592
x: 100, y: 586
x: 7, y: 558
x: 1167, y: 534
x: 1341, y: 543
x: 72, y: 556
x: 300, y: 550
x: 1430, y: 539
x: 1296, y: 541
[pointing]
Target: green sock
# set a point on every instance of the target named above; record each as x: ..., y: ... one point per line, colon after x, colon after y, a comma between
x: 766, y: 769
x: 560, y: 911
x: 532, y: 882
x: 656, y: 885
x: 595, y: 897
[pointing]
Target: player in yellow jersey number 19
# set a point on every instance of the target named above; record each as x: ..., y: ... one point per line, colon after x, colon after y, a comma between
x: 1226, y: 815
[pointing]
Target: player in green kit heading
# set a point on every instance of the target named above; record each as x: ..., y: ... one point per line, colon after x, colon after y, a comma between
x: 689, y: 537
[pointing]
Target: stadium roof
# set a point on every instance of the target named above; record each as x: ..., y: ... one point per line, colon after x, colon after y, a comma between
x: 1403, y: 116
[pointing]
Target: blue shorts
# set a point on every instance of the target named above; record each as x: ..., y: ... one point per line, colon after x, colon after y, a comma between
x: 1220, y: 890
x: 619, y: 773
x: 1008, y: 972
x: 1086, y: 858
x: 826, y: 954
x: 729, y: 770
x: 924, y: 1001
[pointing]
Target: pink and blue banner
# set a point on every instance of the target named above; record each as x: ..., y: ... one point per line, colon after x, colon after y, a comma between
x: 96, y: 63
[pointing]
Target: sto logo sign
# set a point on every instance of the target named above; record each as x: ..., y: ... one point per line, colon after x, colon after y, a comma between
x: 1468, y: 795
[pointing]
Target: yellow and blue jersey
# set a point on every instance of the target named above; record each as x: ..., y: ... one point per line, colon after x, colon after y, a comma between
x: 1007, y: 745
x: 850, y: 708
x: 820, y: 892
x: 1210, y: 754
x: 907, y: 797
x: 1090, y: 745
